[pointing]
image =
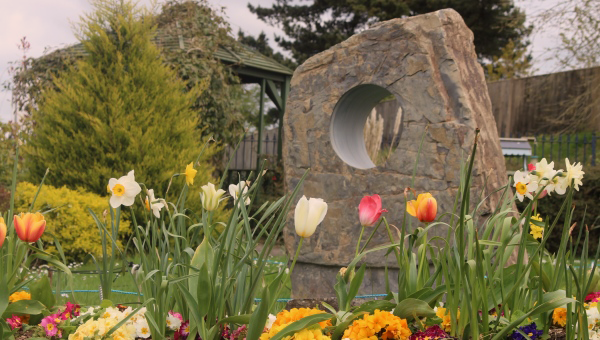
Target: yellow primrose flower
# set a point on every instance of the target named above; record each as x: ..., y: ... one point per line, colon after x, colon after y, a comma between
x: 18, y: 296
x: 379, y: 325
x: 559, y: 317
x: 444, y: 314
x: 190, y: 173
x: 536, y: 231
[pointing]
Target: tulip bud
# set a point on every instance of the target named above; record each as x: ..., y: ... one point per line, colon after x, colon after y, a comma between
x: 2, y: 231
x: 29, y: 227
x: 424, y: 208
x: 369, y: 210
x: 308, y: 215
x: 211, y: 197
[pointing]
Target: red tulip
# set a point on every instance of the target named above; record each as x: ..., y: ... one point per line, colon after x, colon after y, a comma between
x: 369, y: 210
x: 29, y: 227
x: 424, y: 208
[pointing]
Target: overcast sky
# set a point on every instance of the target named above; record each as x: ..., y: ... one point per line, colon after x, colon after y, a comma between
x: 47, y: 24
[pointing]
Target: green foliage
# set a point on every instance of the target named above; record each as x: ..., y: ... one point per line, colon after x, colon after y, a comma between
x: 315, y: 27
x: 117, y: 109
x: 513, y: 63
x: 204, y: 29
x: 67, y: 217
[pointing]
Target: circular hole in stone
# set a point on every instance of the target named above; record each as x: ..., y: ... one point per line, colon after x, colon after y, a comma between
x: 366, y: 126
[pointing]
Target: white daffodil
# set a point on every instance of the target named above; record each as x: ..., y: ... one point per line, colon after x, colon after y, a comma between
x: 545, y: 175
x: 234, y: 191
x: 153, y: 204
x: 573, y: 174
x: 211, y: 197
x: 524, y: 185
x: 123, y: 190
x: 308, y: 215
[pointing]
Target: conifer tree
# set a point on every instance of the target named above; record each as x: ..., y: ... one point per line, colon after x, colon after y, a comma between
x: 119, y: 108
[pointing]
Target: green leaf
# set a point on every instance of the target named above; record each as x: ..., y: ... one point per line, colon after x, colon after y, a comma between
x: 42, y: 291
x: 204, y: 290
x: 31, y: 307
x: 202, y: 255
x: 259, y: 317
x: 355, y: 285
x: 3, y: 295
x: 106, y: 303
x: 301, y: 324
x: 243, y: 319
x: 409, y: 308
x: 371, y: 306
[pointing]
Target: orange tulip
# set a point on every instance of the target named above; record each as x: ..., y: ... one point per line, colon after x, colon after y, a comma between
x: 424, y: 208
x: 29, y: 227
x: 2, y: 231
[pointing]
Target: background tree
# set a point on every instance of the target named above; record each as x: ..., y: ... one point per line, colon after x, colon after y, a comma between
x: 578, y: 22
x: 217, y: 108
x: 312, y: 28
x: 119, y: 108
x: 513, y: 63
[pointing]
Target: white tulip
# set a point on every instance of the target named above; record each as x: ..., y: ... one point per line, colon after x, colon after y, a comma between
x: 211, y: 197
x: 308, y: 215
x: 234, y: 191
x: 123, y: 190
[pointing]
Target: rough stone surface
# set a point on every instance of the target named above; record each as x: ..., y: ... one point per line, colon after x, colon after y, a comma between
x: 428, y: 63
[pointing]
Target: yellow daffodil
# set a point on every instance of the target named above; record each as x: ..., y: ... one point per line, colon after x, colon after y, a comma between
x: 190, y: 173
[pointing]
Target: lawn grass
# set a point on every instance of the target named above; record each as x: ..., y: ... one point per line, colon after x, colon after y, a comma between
x: 124, y: 282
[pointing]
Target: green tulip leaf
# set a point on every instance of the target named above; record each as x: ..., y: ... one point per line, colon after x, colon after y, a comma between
x: 409, y: 308
x: 301, y: 324
x: 31, y: 307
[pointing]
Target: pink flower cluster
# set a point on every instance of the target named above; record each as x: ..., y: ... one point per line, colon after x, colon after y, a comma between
x: 183, y: 331
x: 593, y: 297
x: 433, y: 332
x: 14, y: 322
x: 51, y: 322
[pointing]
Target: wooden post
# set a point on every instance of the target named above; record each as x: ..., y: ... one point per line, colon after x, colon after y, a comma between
x: 285, y: 90
x: 261, y: 121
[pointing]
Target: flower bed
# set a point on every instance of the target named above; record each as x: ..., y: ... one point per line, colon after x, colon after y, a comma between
x: 202, y: 278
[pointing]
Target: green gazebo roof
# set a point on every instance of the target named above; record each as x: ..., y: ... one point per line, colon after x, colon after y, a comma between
x: 251, y: 66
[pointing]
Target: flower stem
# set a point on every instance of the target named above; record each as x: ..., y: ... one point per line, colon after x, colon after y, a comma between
x: 362, y: 230
x: 371, y: 236
x: 296, y: 256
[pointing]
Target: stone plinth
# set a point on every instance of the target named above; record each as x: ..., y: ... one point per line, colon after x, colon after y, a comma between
x: 428, y: 63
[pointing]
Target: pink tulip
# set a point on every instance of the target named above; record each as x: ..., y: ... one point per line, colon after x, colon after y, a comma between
x: 369, y: 210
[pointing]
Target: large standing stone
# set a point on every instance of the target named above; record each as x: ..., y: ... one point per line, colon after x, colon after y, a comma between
x: 428, y: 63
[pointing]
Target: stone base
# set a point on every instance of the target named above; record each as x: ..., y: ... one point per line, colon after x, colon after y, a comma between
x: 313, y: 281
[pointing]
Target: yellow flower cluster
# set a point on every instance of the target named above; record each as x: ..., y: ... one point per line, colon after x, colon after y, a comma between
x: 536, y: 231
x: 380, y: 325
x: 96, y: 329
x: 312, y: 333
x: 286, y: 317
x: 444, y: 314
x: 18, y: 296
x: 559, y: 317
